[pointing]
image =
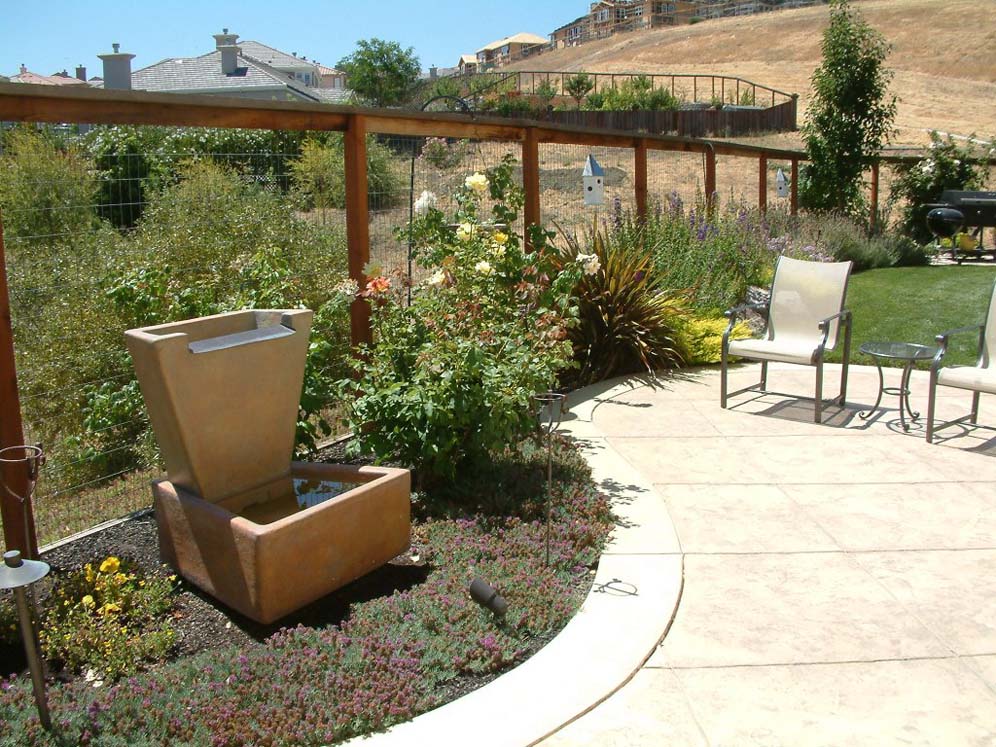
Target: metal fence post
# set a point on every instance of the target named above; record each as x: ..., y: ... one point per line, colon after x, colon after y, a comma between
x: 357, y: 223
x: 762, y: 183
x: 18, y: 522
x: 530, y: 180
x: 794, y: 204
x: 710, y: 176
x: 873, y: 218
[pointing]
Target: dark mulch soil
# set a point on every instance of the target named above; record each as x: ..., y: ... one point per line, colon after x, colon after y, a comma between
x: 202, y: 623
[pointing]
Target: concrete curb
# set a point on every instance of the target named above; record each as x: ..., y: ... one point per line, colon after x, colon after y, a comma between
x: 628, y: 611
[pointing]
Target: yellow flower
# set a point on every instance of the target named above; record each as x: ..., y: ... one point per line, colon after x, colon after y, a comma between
x: 499, y: 237
x: 111, y: 565
x: 88, y: 602
x: 109, y: 609
x: 465, y: 231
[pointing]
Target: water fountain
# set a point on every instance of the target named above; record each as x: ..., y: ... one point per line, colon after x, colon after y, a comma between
x: 237, y: 517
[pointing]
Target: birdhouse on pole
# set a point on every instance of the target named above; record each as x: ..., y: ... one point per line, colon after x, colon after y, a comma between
x: 593, y: 177
x: 782, y: 184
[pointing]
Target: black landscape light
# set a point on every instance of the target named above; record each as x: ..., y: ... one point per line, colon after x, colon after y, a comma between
x: 19, y: 574
x: 485, y: 595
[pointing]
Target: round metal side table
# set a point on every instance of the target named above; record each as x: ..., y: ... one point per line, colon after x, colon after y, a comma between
x: 897, y: 351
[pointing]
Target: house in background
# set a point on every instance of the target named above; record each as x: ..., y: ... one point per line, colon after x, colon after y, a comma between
x: 247, y: 70
x: 571, y: 34
x: 503, y: 51
x: 57, y: 79
x: 468, y: 64
x: 329, y: 77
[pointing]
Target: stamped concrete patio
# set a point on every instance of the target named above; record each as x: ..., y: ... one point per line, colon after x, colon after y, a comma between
x: 839, y: 579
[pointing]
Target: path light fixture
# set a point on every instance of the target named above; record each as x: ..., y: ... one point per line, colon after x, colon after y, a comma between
x: 485, y: 595
x: 30, y: 459
x: 550, y: 412
x: 18, y: 574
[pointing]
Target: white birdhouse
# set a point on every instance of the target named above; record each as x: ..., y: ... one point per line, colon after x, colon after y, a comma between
x: 782, y: 184
x: 594, y: 182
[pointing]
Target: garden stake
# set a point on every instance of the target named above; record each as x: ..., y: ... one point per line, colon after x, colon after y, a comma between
x: 551, y: 414
x: 18, y: 574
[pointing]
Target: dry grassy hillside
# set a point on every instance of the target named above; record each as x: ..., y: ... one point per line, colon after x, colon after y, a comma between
x: 944, y: 57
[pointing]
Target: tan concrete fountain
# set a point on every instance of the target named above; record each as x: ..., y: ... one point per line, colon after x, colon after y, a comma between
x: 237, y: 517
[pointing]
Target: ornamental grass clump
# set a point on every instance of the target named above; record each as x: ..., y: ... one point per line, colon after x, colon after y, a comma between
x: 628, y: 321
x: 450, y: 378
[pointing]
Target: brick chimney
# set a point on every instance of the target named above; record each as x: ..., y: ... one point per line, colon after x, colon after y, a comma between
x: 226, y: 44
x: 117, y: 69
x: 81, y: 73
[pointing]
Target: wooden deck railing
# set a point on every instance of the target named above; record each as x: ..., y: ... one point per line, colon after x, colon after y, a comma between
x: 27, y: 103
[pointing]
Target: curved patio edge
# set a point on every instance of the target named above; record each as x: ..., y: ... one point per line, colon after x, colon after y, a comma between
x: 625, y: 616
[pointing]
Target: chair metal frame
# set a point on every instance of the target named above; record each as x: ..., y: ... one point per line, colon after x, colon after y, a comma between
x: 824, y: 325
x: 943, y: 340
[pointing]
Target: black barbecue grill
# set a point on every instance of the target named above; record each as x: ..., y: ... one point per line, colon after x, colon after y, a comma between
x: 979, y: 212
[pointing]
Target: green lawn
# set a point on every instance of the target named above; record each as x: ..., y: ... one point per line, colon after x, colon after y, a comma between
x: 914, y: 304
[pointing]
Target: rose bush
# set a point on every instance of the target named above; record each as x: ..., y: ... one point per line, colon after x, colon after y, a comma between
x: 452, y: 375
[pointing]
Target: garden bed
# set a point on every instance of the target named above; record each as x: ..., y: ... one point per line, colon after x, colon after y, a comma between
x: 401, y: 640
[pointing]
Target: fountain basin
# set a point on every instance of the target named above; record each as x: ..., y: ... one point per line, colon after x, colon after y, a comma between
x: 261, y: 533
x: 268, y: 570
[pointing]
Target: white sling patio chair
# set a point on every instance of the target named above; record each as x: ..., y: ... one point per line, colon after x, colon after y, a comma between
x: 977, y: 379
x: 805, y: 314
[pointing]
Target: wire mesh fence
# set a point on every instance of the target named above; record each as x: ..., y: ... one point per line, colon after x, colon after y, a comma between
x: 126, y: 227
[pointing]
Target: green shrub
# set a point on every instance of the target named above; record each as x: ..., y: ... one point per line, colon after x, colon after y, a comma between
x: 702, y: 337
x: 637, y: 94
x: 47, y: 192
x: 137, y: 162
x: 578, y: 86
x: 627, y: 320
x: 946, y: 166
x: 319, y: 175
x: 452, y: 375
x: 715, y: 255
x: 843, y: 239
x: 907, y: 252
x: 546, y: 92
x: 442, y: 154
x: 110, y: 619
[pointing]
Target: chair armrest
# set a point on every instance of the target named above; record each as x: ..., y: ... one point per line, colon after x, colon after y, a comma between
x: 944, y: 338
x: 845, y: 318
x: 734, y: 314
x: 739, y: 310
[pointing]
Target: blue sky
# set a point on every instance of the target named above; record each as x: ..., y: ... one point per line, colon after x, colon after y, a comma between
x: 50, y: 36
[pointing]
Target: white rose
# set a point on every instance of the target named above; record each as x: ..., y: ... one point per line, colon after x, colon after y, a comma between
x: 425, y: 201
x: 484, y: 267
x: 478, y: 182
x: 437, y: 278
x: 589, y: 263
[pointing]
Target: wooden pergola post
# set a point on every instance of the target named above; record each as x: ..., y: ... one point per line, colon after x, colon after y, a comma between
x: 530, y: 180
x: 710, y: 177
x: 18, y: 521
x: 358, y: 225
x: 640, y: 178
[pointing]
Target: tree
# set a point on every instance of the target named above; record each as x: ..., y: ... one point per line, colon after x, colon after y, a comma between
x: 381, y: 72
x: 850, y: 115
x: 579, y: 86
